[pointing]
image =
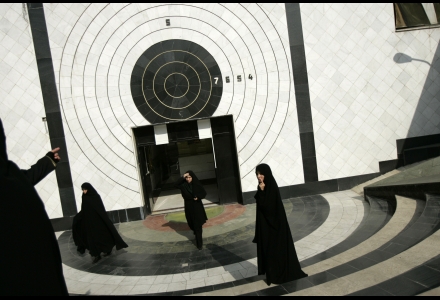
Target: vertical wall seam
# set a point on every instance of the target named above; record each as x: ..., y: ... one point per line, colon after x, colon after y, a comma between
x: 302, y: 94
x: 40, y: 38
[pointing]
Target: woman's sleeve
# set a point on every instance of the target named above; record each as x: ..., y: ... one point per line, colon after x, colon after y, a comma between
x: 201, y: 193
x: 179, y: 182
x: 39, y: 170
x: 269, y: 209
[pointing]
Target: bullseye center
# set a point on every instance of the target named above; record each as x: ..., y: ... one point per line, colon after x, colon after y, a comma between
x: 176, y: 85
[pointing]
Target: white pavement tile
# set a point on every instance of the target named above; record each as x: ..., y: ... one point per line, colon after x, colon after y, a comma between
x: 158, y: 288
x: 140, y: 289
x: 217, y: 279
x: 122, y: 290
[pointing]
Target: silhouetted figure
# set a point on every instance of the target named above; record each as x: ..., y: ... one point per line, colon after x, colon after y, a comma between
x: 92, y: 229
x: 276, y: 255
x: 30, y: 256
x: 193, y: 193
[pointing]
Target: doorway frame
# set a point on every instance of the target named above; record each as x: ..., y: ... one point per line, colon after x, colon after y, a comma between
x: 139, y: 141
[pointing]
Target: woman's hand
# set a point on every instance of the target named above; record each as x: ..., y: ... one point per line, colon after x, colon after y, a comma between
x: 262, y: 185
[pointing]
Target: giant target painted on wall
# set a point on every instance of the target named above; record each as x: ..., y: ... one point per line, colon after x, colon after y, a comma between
x: 176, y: 80
x: 124, y: 65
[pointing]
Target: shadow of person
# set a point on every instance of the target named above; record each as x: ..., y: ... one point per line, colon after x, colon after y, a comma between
x: 238, y: 266
x: 181, y: 228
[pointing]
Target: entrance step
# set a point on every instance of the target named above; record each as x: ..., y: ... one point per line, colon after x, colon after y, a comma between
x: 176, y: 209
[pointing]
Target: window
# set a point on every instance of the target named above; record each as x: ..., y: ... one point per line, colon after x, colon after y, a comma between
x: 414, y: 15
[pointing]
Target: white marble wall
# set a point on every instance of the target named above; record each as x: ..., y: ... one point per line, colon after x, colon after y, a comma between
x: 21, y: 101
x: 362, y: 100
x: 95, y: 47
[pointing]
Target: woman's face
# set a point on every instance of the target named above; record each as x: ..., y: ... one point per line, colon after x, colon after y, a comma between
x: 260, y: 177
x: 85, y: 191
x: 188, y: 178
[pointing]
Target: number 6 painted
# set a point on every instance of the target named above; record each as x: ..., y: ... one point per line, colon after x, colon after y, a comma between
x: 216, y: 79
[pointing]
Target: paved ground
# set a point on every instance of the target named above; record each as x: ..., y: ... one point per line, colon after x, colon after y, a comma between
x: 162, y: 257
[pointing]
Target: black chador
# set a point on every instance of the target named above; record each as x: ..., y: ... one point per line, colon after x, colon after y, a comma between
x: 276, y: 255
x: 30, y: 256
x: 92, y: 229
x: 193, y: 193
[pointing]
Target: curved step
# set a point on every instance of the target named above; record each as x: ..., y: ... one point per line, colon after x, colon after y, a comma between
x: 432, y: 292
x: 406, y: 208
x: 231, y: 264
x: 379, y: 215
x: 346, y: 213
x: 344, y: 206
x: 422, y: 279
x: 329, y: 279
x: 415, y: 256
x: 404, y: 214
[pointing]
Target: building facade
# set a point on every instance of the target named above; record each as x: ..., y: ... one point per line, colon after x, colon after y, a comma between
x: 317, y: 91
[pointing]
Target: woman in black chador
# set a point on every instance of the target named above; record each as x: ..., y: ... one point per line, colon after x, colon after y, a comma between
x: 193, y: 193
x: 92, y: 229
x: 30, y: 256
x: 276, y: 255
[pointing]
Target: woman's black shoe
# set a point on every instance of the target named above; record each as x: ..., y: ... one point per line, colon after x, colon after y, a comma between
x: 107, y: 254
x: 96, y: 259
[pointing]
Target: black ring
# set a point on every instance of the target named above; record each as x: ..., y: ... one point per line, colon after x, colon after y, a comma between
x: 176, y: 80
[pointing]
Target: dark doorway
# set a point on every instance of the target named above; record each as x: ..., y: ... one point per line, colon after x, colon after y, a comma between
x: 214, y: 160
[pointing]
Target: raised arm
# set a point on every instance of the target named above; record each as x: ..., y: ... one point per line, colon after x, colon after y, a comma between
x: 179, y: 182
x: 42, y: 167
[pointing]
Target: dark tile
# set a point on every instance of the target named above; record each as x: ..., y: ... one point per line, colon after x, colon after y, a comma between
x: 249, y: 294
x: 394, y: 248
x: 122, y: 215
x: 222, y: 286
x: 433, y: 264
x: 162, y: 294
x: 60, y: 224
x: 362, y: 263
x: 256, y: 278
x: 55, y: 124
x: 212, y: 264
x: 64, y: 179
x: 183, y: 293
x: 342, y: 270
x: 297, y: 285
x: 310, y: 169
x: 113, y: 216
x: 424, y: 275
x: 167, y: 270
x: 134, y: 272
x: 272, y: 291
x: 134, y: 214
x: 148, y: 271
x: 401, y: 286
x: 320, y: 278
x: 379, y: 256
x: 371, y: 291
x: 203, y: 289
x: 294, y: 24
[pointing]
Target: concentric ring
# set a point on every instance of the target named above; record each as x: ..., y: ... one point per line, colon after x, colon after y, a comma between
x: 163, y: 61
x: 176, y: 84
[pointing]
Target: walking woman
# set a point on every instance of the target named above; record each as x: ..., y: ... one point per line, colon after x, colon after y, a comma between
x: 92, y: 229
x: 276, y: 255
x: 193, y: 193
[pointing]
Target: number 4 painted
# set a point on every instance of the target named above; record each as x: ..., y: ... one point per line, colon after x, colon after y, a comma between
x: 216, y: 79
